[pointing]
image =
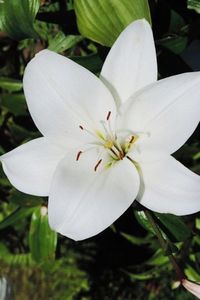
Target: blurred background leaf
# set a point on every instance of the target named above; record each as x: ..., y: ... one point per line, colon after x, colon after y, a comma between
x: 42, y: 239
x: 194, y: 4
x: 10, y: 84
x: 62, y: 43
x: 19, y: 214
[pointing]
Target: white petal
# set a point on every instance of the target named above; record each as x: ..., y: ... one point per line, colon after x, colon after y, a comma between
x: 192, y: 287
x: 167, y: 111
x: 61, y: 95
x: 30, y: 167
x: 83, y: 202
x: 131, y: 63
x: 169, y: 187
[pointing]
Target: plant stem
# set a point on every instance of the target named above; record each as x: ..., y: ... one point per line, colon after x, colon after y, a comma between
x: 164, y: 245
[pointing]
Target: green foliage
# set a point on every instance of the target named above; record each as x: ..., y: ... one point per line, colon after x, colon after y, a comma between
x: 22, y: 199
x: 14, y: 104
x: 62, y: 43
x: 174, y: 227
x: 17, y: 20
x: 142, y: 219
x: 10, y: 84
x: 92, y: 62
x: 42, y: 240
x: 194, y: 4
x: 62, y: 281
x: 102, y: 21
x: 19, y: 214
x: 176, y: 38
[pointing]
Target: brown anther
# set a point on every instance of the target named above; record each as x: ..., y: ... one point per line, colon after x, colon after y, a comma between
x: 108, y: 115
x: 81, y: 127
x: 132, y: 139
x: 121, y: 154
x: 95, y: 168
x: 113, y: 152
x: 78, y: 155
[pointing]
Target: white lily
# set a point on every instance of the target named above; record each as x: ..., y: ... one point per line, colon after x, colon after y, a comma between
x: 107, y: 141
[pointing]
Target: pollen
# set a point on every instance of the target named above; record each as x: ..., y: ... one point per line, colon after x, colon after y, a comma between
x: 108, y: 144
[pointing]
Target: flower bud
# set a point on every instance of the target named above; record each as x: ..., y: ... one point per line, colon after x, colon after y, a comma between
x: 192, y: 287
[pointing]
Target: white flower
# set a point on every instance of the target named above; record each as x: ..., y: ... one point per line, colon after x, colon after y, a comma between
x: 107, y: 141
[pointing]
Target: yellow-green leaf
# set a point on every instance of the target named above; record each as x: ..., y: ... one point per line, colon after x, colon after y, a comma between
x: 10, y: 84
x: 102, y: 20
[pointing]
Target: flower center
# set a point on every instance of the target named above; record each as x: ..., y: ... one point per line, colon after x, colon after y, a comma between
x: 109, y: 142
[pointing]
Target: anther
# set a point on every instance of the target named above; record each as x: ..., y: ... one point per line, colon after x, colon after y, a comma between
x: 98, y: 163
x: 132, y: 139
x: 81, y: 127
x: 121, y: 155
x: 108, y: 115
x: 78, y: 155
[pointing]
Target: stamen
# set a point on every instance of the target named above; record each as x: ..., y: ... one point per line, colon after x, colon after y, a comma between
x: 121, y: 155
x: 108, y: 115
x: 96, y: 166
x: 113, y: 152
x: 104, y: 127
x: 88, y: 131
x: 132, y: 139
x: 78, y: 155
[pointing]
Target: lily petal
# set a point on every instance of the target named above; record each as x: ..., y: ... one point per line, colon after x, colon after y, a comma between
x: 192, y: 287
x: 169, y: 187
x: 30, y: 167
x: 83, y: 202
x: 131, y: 63
x: 61, y: 95
x: 167, y: 111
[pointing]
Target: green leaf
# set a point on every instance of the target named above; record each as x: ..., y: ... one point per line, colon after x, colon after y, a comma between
x: 91, y: 62
x: 3, y: 179
x: 142, y: 220
x: 194, y: 4
x: 173, y: 226
x: 24, y: 199
x: 196, y: 156
x: 9, y: 84
x: 42, y: 240
x: 143, y: 275
x: 102, y: 20
x: 19, y: 214
x: 20, y: 133
x: 177, y: 22
x: 17, y: 18
x: 62, y: 42
x: 158, y: 259
x: 176, y: 44
x: 14, y: 103
x: 20, y: 259
x: 192, y: 274
x: 135, y: 240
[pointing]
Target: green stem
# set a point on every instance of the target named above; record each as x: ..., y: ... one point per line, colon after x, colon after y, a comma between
x: 164, y: 245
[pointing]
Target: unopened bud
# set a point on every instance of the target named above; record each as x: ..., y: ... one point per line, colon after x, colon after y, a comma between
x: 192, y: 287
